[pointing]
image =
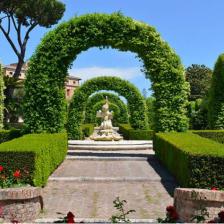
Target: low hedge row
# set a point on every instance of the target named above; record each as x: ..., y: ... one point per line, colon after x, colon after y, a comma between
x: 6, y: 135
x: 216, y: 135
x: 194, y: 161
x: 37, y: 154
x: 87, y: 129
x: 131, y: 134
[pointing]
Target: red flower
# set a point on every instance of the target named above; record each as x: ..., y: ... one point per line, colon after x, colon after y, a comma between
x: 221, y: 216
x: 70, y: 217
x: 17, y: 174
x: 214, y: 188
x: 170, y: 208
x: 212, y: 221
x: 1, y: 168
x: 174, y: 215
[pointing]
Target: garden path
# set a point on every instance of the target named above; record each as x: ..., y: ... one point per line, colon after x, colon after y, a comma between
x: 87, y: 182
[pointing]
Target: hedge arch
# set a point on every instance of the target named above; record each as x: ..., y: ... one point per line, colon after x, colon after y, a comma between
x: 113, y: 107
x: 45, y: 107
x: 136, y: 103
x: 90, y: 113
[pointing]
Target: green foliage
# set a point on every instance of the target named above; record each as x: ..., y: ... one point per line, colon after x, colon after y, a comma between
x: 7, y: 135
x: 216, y: 96
x: 90, y: 114
x: 130, y: 134
x: 44, y: 87
x: 195, y: 161
x: 216, y: 135
x: 87, y: 129
x: 198, y: 113
x: 1, y: 97
x: 39, y: 154
x: 123, y: 215
x: 199, y: 77
x: 136, y: 104
x: 150, y: 112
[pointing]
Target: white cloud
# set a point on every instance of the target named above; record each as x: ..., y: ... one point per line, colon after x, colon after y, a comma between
x: 90, y: 72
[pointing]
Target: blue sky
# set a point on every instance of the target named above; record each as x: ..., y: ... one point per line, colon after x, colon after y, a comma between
x: 193, y: 28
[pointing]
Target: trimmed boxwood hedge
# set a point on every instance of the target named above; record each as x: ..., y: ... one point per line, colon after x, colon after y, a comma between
x: 195, y: 161
x: 90, y: 115
x: 87, y: 129
x: 45, y: 106
x: 40, y: 154
x: 130, y: 134
x: 216, y: 135
x: 136, y: 103
x: 7, y: 135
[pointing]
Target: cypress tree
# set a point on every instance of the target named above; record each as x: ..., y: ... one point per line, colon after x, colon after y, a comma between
x: 216, y: 96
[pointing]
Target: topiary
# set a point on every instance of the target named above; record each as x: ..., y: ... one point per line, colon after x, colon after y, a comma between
x: 136, y: 103
x: 216, y: 96
x: 44, y: 104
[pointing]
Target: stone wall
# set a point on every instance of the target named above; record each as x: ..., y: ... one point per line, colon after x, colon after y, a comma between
x: 189, y: 202
x: 20, y: 204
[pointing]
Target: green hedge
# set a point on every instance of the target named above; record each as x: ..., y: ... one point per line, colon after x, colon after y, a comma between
x: 130, y: 134
x: 90, y: 114
x: 40, y: 154
x: 44, y: 103
x: 6, y: 135
x: 87, y: 129
x: 194, y: 161
x: 216, y: 135
x: 136, y: 103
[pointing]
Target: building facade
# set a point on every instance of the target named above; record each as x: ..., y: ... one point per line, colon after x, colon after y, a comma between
x: 71, y: 83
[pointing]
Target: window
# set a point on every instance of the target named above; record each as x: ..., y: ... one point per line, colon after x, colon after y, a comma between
x: 68, y: 92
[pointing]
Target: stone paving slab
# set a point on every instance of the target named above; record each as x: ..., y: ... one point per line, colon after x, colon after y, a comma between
x: 95, y: 200
x: 110, y: 169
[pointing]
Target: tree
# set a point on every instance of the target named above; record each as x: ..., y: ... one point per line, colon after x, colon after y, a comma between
x: 199, y: 77
x: 1, y: 97
x: 216, y: 96
x: 22, y: 16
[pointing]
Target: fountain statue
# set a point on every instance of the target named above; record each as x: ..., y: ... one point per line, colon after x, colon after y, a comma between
x: 106, y: 131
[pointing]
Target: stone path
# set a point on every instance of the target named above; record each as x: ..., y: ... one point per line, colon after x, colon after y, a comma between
x: 87, y: 187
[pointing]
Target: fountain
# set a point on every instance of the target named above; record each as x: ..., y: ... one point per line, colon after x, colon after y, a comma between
x: 106, y: 131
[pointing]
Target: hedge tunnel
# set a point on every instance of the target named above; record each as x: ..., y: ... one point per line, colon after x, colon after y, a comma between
x: 44, y: 102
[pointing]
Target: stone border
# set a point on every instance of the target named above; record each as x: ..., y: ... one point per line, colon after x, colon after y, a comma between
x: 20, y: 204
x: 189, y: 202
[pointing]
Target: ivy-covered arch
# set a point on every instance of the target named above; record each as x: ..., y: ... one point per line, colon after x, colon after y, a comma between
x: 45, y: 106
x: 90, y: 112
x: 136, y: 102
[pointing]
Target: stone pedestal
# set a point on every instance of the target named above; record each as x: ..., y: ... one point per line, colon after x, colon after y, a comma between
x: 189, y: 202
x: 20, y: 204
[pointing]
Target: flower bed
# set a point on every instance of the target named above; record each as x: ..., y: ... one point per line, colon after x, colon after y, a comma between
x: 20, y: 204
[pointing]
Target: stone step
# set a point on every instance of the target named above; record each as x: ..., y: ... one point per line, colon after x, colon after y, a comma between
x: 108, y: 145
x: 109, y: 179
x: 100, y: 158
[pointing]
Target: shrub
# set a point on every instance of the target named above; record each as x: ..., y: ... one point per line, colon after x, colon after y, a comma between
x: 194, y: 161
x: 90, y: 114
x: 87, y: 129
x: 136, y: 103
x: 130, y: 134
x: 151, y: 112
x: 39, y: 154
x: 1, y: 97
x: 216, y: 135
x: 6, y: 135
x: 44, y: 106
x: 216, y: 96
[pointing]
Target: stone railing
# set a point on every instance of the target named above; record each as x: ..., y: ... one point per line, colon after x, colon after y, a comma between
x: 190, y: 202
x: 20, y: 204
